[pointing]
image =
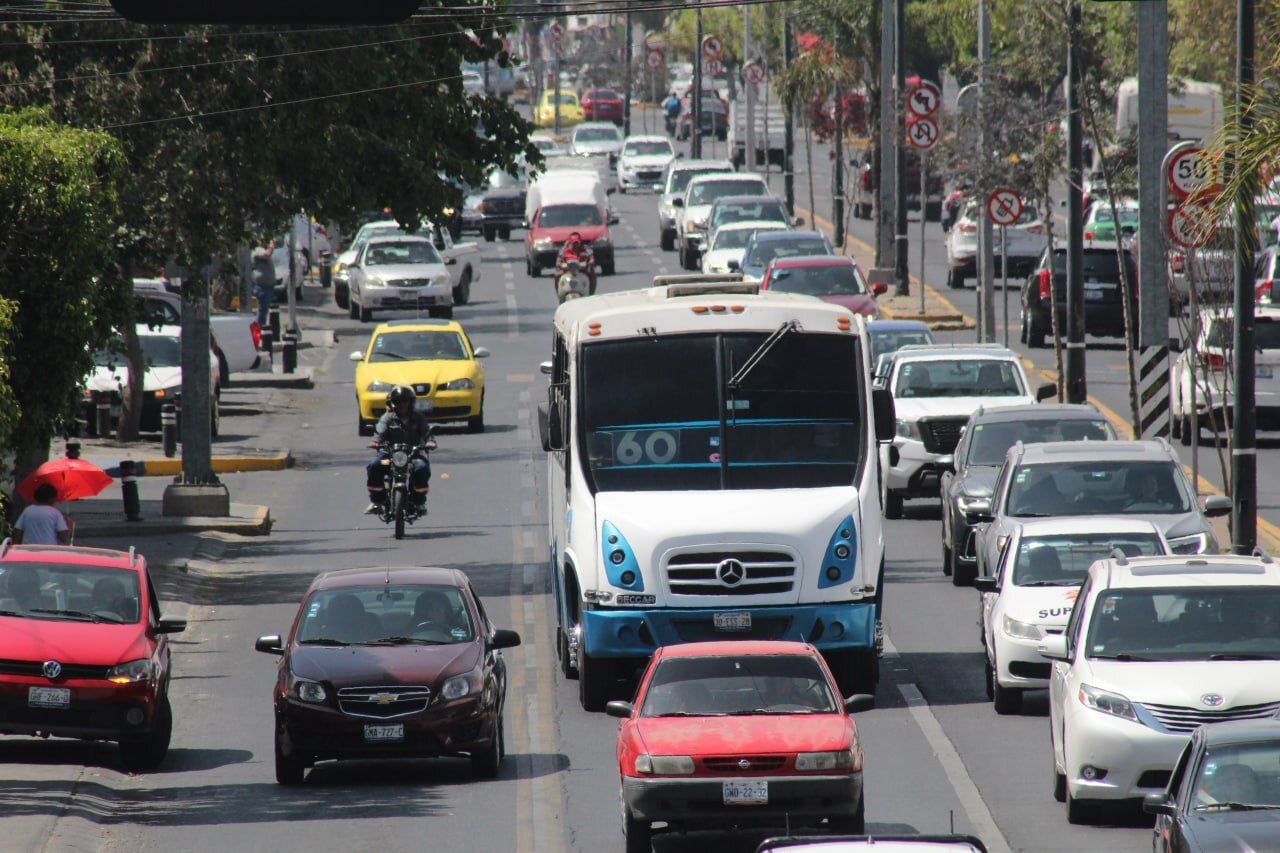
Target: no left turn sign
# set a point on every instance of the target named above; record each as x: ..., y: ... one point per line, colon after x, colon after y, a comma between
x: 1004, y: 206
x: 922, y: 133
x: 924, y: 99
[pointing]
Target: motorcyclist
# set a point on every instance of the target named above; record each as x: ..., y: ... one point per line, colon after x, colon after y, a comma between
x: 402, y: 423
x: 575, y: 249
x: 671, y: 107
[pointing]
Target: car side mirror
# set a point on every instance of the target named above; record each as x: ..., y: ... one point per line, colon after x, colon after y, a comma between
x: 1216, y: 506
x: 546, y: 367
x: 504, y: 639
x: 270, y: 644
x: 610, y: 190
x: 879, y: 289
x: 882, y: 407
x: 356, y: 355
x: 680, y: 155
x: 1047, y: 391
x: 979, y: 512
x: 1053, y: 647
x: 168, y: 625
x: 986, y: 583
x: 619, y: 709
x: 733, y: 265
x: 859, y: 702
x: 481, y: 352
x: 450, y: 262
x: 1159, y: 803
x: 677, y: 202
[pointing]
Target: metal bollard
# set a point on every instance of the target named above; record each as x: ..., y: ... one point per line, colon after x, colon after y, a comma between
x: 129, y: 489
x: 103, y: 424
x: 273, y: 319
x: 289, y: 352
x: 266, y: 340
x: 169, y: 429
x: 326, y: 269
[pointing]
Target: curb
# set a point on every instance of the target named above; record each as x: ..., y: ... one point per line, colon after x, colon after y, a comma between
x: 245, y: 520
x: 302, y: 379
x: 221, y: 465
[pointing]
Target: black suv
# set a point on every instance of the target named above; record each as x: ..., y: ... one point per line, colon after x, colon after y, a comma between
x: 1103, y: 294
x: 987, y: 437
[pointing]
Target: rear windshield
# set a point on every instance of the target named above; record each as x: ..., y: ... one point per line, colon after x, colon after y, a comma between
x: 69, y: 592
x: 1098, y: 487
x: 1063, y: 560
x: 967, y: 378
x: 708, y: 191
x: 989, y: 442
x: 746, y: 684
x: 1221, y: 333
x: 1099, y: 264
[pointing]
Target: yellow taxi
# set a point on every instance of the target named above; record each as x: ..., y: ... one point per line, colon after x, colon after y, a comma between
x: 544, y: 114
x: 433, y: 357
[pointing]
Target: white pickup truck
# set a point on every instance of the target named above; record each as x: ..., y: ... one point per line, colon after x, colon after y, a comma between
x: 462, y: 260
x: 235, y: 336
x: 771, y: 131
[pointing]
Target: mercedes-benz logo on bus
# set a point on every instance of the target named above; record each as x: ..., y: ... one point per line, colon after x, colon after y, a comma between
x: 730, y: 572
x: 51, y: 669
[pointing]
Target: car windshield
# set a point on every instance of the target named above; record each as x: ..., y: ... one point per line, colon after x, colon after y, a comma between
x: 161, y: 350
x: 1098, y: 487
x: 1221, y: 333
x: 597, y: 134
x: 66, y: 591
x: 1126, y: 214
x: 759, y: 211
x: 891, y: 340
x: 680, y: 178
x: 569, y: 216
x: 564, y: 98
x: 706, y: 192
x: 646, y: 147
x: 744, y: 684
x: 415, y: 252
x: 793, y: 247
x: 429, y: 614
x: 416, y: 346
x: 1239, y: 774
x: 973, y: 377
x: 1098, y: 264
x: 1063, y: 560
x: 1186, y: 623
x: 990, y: 441
x: 842, y: 280
x: 794, y: 421
x: 732, y: 238
x: 603, y: 95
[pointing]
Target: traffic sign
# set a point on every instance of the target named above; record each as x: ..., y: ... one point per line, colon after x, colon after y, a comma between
x: 556, y: 29
x: 653, y: 41
x: 711, y: 67
x: 654, y: 58
x: 1191, y: 224
x: 753, y: 72
x: 924, y: 99
x: 923, y: 133
x: 1189, y: 170
x: 1004, y: 206
x: 712, y: 47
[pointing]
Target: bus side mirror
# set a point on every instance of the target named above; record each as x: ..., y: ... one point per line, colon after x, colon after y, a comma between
x: 882, y: 406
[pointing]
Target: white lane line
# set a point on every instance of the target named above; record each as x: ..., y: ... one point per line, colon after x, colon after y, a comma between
x: 513, y: 320
x: 984, y: 825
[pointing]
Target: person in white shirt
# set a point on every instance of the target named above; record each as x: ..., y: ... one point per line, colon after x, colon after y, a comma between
x: 42, y: 523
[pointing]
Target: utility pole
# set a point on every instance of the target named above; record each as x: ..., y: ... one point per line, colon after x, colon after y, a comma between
x: 695, y: 117
x: 789, y: 134
x: 1077, y: 390
x: 749, y: 150
x: 197, y: 451
x: 886, y: 202
x: 1244, y: 460
x: 626, y: 102
x: 837, y: 165
x: 986, y: 254
x: 900, y: 155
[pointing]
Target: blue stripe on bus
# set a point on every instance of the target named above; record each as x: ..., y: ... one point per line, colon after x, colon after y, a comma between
x: 714, y: 465
x: 731, y: 418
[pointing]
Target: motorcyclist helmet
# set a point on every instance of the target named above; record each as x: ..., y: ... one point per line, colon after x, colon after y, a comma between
x: 400, y: 400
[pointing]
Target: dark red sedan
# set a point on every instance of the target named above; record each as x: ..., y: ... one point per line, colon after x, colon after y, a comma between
x: 738, y: 734
x: 389, y: 663
x: 602, y: 105
x: 831, y: 278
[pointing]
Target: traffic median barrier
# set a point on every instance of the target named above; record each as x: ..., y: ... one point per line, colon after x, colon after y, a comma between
x: 160, y: 467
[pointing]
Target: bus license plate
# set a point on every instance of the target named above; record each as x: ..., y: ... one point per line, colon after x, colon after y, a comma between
x: 49, y: 697
x: 740, y: 793
x: 384, y: 733
x: 731, y: 621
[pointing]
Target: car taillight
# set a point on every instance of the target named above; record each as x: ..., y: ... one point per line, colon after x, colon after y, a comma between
x: 256, y: 331
x: 967, y: 228
x: 1046, y: 284
x: 1215, y: 361
x: 1264, y: 292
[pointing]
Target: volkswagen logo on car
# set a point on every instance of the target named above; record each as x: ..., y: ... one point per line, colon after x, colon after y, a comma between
x: 730, y: 572
x: 1212, y: 700
x: 51, y: 669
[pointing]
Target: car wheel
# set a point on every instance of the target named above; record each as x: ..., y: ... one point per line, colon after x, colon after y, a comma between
x: 595, y: 682
x: 946, y: 561
x: 462, y: 293
x: 224, y: 372
x: 363, y: 427
x: 988, y: 677
x: 1186, y: 430
x: 854, y: 824
x: 667, y: 241
x: 1035, y: 334
x: 955, y: 280
x: 215, y: 418
x: 609, y: 268
x: 504, y: 233
x: 352, y: 308
x: 637, y: 835
x: 1059, y: 786
x: 146, y: 753
x: 441, y: 313
x: 289, y: 771
x: 535, y: 270
x: 892, y: 505
x: 486, y: 763
x: 476, y: 424
x: 340, y: 296
x: 1007, y: 700
x: 1175, y: 425
x: 489, y: 233
x: 562, y: 652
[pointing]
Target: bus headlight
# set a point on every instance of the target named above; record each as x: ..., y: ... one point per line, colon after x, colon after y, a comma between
x: 620, y: 562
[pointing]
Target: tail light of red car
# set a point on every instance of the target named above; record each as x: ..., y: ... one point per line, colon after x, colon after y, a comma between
x: 1046, y: 284
x: 1215, y: 361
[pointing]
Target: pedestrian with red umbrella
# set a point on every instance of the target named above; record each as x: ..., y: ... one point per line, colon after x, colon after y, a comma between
x: 70, y: 478
x: 41, y: 523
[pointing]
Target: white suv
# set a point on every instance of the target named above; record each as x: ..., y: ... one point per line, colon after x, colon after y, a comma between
x: 935, y: 389
x: 1155, y: 647
x: 1034, y: 587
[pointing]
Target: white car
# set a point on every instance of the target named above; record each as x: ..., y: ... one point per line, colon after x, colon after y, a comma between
x: 1034, y: 587
x: 594, y: 138
x: 729, y: 244
x: 694, y: 207
x: 546, y: 146
x: 674, y: 183
x: 1212, y: 348
x: 643, y: 161
x: 1155, y: 647
x: 935, y: 389
x: 1026, y: 241
x: 472, y: 83
x: 399, y: 272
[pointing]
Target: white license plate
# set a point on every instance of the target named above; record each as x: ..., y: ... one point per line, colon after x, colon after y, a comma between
x: 744, y: 793
x: 384, y: 733
x: 731, y: 621
x: 49, y: 697
x: 408, y: 294
x: 1094, y: 295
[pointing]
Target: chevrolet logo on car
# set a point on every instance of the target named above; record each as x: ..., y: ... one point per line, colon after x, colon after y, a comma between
x: 383, y: 698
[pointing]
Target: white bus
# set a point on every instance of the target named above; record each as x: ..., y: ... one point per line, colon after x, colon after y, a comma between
x: 713, y: 474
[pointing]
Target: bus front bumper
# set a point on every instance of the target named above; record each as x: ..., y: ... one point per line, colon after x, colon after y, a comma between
x: 637, y: 632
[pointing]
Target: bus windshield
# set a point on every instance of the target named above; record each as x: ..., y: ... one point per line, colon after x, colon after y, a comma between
x: 794, y: 420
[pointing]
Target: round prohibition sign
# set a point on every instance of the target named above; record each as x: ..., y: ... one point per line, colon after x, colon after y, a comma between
x: 1191, y: 225
x: 1004, y: 206
x: 654, y: 58
x: 1189, y: 171
x: 653, y: 41
x: 712, y: 47
x: 753, y: 73
x: 711, y: 68
x: 922, y: 133
x: 923, y: 100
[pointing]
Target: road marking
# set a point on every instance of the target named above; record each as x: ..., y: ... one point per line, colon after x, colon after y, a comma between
x: 984, y: 825
x: 519, y: 377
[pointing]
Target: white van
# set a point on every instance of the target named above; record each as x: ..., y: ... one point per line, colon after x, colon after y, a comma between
x: 566, y: 185
x: 1195, y: 110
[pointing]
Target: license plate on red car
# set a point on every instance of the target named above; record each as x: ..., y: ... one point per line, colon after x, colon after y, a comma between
x: 49, y: 697
x: 745, y: 793
x: 384, y: 733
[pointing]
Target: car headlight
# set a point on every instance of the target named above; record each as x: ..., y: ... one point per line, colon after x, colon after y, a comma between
x: 968, y: 503
x: 456, y: 687
x: 906, y: 429
x: 373, y: 281
x: 377, y: 386
x: 543, y: 243
x: 1022, y: 630
x: 458, y: 385
x: 131, y: 672
x: 664, y: 765
x: 309, y: 691
x: 338, y: 266
x: 841, y: 759
x: 1107, y: 703
x: 1196, y: 544
x: 441, y: 281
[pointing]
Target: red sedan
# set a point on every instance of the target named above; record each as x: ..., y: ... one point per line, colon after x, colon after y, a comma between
x: 602, y: 105
x: 831, y: 278
x: 738, y: 734
x: 85, y: 649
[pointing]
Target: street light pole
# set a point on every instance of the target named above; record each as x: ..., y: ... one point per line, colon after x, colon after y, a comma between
x: 1077, y: 390
x: 789, y: 134
x: 886, y: 202
x: 695, y: 108
x: 837, y: 195
x: 986, y: 254
x: 900, y: 156
x: 749, y: 149
x: 1244, y: 460
x: 626, y: 105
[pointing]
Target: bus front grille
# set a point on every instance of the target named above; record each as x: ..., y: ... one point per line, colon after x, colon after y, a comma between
x: 737, y: 573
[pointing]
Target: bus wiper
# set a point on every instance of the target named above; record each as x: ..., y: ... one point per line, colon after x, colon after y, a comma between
x: 761, y: 352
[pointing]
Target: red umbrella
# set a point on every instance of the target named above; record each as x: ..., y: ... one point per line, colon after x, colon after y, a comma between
x: 73, y: 478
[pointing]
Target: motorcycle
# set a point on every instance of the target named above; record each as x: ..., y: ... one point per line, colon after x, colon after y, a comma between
x: 400, y: 508
x: 671, y: 124
x: 572, y: 282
